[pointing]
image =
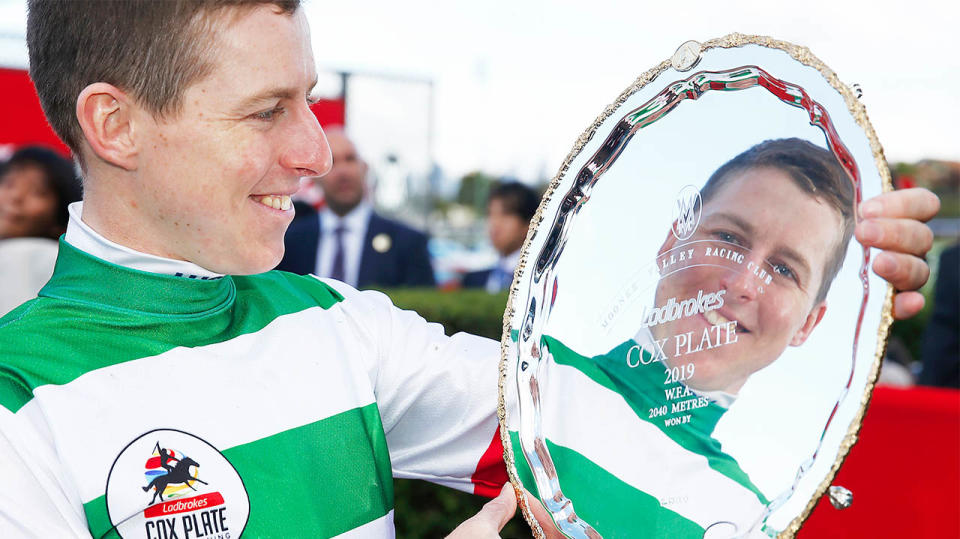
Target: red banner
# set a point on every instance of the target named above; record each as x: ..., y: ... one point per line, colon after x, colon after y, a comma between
x: 904, y: 472
x: 330, y: 112
x: 23, y: 121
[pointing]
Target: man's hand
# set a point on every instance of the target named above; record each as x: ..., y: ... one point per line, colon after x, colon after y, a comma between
x: 491, y: 519
x: 894, y: 223
x: 497, y: 512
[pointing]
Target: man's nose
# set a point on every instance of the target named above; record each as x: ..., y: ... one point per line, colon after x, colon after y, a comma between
x: 307, y: 149
x: 741, y: 285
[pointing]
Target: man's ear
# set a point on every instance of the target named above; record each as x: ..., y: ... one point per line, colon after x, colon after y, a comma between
x: 106, y: 118
x: 814, y: 318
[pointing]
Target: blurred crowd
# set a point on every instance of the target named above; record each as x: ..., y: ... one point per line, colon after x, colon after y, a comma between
x: 36, y: 186
x: 343, y: 237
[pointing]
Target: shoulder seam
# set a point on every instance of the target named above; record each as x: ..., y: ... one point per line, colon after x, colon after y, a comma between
x: 30, y: 305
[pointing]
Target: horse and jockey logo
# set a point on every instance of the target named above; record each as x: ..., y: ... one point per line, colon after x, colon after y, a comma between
x: 155, y: 489
x: 162, y: 474
x: 686, y: 213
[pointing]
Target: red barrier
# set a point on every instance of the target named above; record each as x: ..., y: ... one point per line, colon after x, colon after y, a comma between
x: 904, y: 472
x: 23, y: 120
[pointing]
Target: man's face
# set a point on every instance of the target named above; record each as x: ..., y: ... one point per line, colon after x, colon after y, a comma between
x: 345, y: 185
x: 784, y: 236
x: 507, y: 230
x: 213, y: 182
x: 28, y: 206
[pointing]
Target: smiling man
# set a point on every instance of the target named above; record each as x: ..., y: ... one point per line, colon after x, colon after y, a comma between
x: 160, y: 385
x: 772, y: 259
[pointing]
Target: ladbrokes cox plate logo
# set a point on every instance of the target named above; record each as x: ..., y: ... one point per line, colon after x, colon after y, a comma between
x: 171, y: 484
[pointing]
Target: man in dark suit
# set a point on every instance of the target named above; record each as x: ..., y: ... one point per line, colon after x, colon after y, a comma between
x: 347, y: 240
x: 941, y: 345
x: 510, y: 208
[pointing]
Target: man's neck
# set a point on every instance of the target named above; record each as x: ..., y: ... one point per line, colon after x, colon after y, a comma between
x: 83, y: 236
x: 113, y: 213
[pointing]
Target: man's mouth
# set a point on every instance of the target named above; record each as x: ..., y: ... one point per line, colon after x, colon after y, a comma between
x: 717, y: 319
x: 277, y: 202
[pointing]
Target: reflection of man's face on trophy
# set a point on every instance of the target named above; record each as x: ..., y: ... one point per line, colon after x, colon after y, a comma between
x: 767, y: 245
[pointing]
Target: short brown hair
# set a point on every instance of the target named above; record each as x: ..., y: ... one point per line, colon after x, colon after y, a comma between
x: 153, y: 49
x: 517, y: 199
x: 814, y: 170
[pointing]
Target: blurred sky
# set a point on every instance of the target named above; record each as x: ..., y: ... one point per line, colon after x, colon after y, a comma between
x: 516, y: 82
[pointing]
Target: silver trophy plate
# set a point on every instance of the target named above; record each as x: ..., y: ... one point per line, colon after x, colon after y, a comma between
x: 692, y: 335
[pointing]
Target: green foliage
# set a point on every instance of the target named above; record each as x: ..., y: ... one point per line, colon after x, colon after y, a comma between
x: 941, y: 177
x: 474, y: 188
x: 472, y: 311
x: 423, y: 509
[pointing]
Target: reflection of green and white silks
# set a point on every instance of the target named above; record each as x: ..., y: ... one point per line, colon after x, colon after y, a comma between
x: 659, y: 474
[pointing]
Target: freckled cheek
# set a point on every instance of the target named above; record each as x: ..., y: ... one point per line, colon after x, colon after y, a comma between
x: 246, y: 158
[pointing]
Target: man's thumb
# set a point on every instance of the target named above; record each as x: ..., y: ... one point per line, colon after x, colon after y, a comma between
x: 501, y: 509
x: 491, y: 519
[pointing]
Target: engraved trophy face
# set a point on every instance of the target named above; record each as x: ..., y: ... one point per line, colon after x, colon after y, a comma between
x: 692, y: 333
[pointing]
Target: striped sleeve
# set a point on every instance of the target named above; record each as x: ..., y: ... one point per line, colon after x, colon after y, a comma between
x: 437, y: 395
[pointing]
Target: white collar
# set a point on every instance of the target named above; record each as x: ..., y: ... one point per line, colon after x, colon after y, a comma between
x: 80, y: 235
x: 720, y: 398
x: 355, y: 220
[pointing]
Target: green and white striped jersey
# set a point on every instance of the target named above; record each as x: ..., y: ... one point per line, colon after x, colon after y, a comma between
x: 143, y: 404
x: 642, y: 441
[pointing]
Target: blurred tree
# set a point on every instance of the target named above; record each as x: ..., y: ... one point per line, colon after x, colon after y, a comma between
x: 474, y: 188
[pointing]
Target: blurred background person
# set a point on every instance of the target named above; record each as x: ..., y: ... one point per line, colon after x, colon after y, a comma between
x: 36, y: 186
x: 510, y: 208
x: 941, y: 340
x: 346, y: 240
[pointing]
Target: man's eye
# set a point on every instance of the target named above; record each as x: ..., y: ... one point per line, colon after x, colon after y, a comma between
x: 784, y: 271
x: 727, y: 237
x: 268, y: 115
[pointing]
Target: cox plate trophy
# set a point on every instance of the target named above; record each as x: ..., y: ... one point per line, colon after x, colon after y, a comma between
x: 692, y: 336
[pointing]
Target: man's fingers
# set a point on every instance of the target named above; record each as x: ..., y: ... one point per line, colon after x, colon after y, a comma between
x: 907, y: 304
x: 493, y: 516
x: 917, y: 203
x: 900, y: 235
x: 904, y: 272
